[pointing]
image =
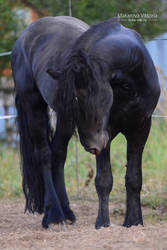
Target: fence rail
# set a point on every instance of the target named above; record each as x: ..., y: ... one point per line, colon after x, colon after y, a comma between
x: 6, y: 53
x: 15, y: 116
x: 4, y: 117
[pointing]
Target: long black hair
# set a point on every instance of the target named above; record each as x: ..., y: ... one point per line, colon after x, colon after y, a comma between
x: 77, y: 72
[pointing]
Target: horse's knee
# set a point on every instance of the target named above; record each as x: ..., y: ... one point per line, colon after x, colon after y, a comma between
x: 104, y: 183
x: 133, y: 184
x: 59, y: 155
x: 43, y: 155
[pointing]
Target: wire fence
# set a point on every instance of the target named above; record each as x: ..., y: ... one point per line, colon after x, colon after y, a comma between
x: 83, y: 183
x: 15, y: 116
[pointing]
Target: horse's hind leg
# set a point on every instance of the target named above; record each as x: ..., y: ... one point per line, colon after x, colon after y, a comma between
x: 59, y: 152
x: 36, y: 153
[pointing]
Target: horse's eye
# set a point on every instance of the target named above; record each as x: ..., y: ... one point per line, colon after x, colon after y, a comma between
x: 124, y: 85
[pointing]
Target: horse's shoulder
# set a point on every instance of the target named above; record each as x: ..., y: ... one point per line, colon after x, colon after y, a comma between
x: 97, y: 32
x: 108, y: 25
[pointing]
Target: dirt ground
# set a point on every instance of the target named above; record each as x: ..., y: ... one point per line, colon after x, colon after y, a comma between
x: 23, y: 231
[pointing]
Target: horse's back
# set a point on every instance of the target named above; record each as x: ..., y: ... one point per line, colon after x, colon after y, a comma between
x: 122, y: 49
x: 36, y: 49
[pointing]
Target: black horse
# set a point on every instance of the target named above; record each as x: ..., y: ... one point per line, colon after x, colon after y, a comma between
x: 101, y: 81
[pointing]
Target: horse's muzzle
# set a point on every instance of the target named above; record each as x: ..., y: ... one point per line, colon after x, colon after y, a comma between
x: 93, y: 151
x: 96, y: 148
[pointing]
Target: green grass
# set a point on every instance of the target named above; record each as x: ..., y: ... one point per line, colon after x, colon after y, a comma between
x: 154, y: 192
x: 10, y: 177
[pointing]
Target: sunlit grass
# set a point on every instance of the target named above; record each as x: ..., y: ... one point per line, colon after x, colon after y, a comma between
x: 154, y: 192
x: 10, y: 177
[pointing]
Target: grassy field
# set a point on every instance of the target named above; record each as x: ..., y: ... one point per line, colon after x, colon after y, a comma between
x: 154, y: 191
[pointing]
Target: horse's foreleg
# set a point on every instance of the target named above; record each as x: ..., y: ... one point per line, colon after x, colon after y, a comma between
x: 59, y: 152
x: 103, y: 182
x: 133, y: 180
x: 37, y: 158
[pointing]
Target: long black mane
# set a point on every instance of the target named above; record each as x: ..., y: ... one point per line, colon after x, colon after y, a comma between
x: 77, y: 72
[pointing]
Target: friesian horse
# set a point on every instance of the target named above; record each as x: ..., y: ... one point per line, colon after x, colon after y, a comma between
x: 99, y: 80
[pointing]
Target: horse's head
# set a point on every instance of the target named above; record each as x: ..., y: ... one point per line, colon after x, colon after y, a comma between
x: 87, y: 99
x: 93, y: 118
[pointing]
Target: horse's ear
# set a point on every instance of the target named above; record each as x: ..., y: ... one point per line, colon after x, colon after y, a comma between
x: 54, y: 74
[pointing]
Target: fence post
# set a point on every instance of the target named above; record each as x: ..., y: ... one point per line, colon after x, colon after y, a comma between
x: 76, y: 164
x: 70, y: 7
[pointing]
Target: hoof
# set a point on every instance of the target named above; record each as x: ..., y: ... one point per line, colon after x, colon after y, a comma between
x: 63, y: 226
x: 44, y: 222
x: 135, y: 223
x: 69, y: 216
x: 52, y: 217
x: 98, y: 226
x: 102, y: 223
x: 60, y: 227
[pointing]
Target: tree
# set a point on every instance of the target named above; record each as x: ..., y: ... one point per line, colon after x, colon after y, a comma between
x: 93, y: 11
x: 8, y: 30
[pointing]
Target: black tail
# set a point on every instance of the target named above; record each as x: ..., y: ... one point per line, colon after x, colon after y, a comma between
x: 33, y: 184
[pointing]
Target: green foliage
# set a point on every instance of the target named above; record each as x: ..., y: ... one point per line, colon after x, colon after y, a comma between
x: 46, y: 8
x: 6, y: 27
x: 93, y: 11
x: 11, y: 24
x: 10, y: 184
x: 154, y: 191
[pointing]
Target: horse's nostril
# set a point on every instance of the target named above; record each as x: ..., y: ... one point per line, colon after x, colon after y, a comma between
x: 93, y: 151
